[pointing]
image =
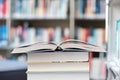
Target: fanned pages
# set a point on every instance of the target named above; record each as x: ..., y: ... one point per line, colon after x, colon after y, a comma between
x: 78, y: 45
x: 35, y: 47
x: 69, y: 45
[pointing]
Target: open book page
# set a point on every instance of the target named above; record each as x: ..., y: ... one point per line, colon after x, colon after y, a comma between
x: 69, y: 45
x: 80, y: 46
x: 37, y: 46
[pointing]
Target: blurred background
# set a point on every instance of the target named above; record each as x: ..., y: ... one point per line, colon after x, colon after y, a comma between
x: 29, y: 21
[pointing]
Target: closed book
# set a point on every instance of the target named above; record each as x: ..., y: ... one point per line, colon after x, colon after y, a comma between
x: 59, y: 67
x: 36, y: 57
x: 58, y: 76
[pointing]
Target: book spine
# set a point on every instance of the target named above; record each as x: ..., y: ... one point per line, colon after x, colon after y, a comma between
x: 7, y: 9
x: 51, y: 34
x: 36, y: 6
x: 58, y: 35
x: 97, y: 6
x: 66, y: 34
x: 1, y: 8
x: 25, y: 8
x: 88, y: 7
x: 18, y: 7
x: 4, y: 8
x: 81, y: 7
x: 102, y: 6
x: 31, y: 8
x: 4, y: 35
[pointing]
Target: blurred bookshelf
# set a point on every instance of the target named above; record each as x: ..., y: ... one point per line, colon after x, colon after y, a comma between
x: 112, y: 20
x: 30, y: 21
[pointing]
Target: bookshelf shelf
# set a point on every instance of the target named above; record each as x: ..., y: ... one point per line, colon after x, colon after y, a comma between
x: 114, y: 2
x: 4, y: 48
x: 38, y: 18
x: 91, y: 17
x: 3, y: 18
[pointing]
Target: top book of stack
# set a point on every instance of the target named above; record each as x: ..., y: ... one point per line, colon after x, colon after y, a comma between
x: 66, y: 46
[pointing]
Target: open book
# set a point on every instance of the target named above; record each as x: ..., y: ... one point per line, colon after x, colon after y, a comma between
x: 69, y: 45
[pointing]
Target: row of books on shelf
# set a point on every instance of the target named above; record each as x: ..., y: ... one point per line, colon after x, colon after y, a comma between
x: 4, y: 9
x: 40, y: 8
x: 27, y: 34
x: 22, y: 34
x: 90, y: 8
x: 46, y: 9
x: 91, y: 35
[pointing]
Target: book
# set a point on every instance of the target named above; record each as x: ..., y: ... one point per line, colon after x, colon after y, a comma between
x: 66, y: 33
x: 1, y: 8
x: 59, y: 67
x: 69, y: 45
x: 83, y: 34
x: 58, y: 76
x: 57, y: 56
x: 99, y: 36
x: 4, y: 9
x: 98, y: 70
x: 3, y: 35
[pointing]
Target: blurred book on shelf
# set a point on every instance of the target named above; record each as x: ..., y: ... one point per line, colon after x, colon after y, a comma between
x: 4, y: 9
x: 91, y: 35
x: 40, y: 9
x: 26, y: 34
x: 90, y: 9
x: 2, y: 56
x: 3, y: 36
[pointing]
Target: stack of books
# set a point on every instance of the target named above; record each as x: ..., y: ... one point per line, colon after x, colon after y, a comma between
x: 66, y: 61
x: 58, y: 65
